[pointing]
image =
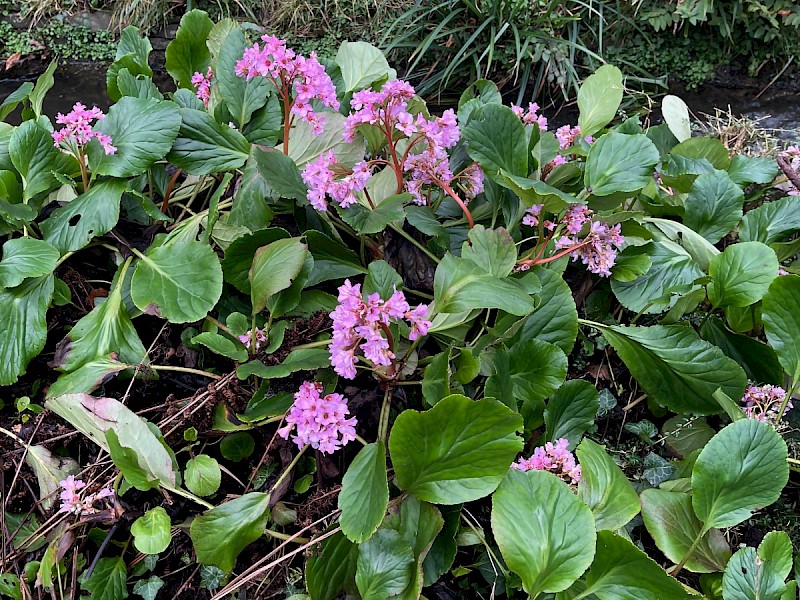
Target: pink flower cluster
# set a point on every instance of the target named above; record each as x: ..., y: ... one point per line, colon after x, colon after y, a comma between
x: 762, y: 403
x: 320, y: 421
x: 287, y: 69
x: 360, y: 325
x: 77, y: 130
x: 325, y: 177
x: 247, y: 338
x: 531, y: 115
x: 555, y: 458
x: 567, y: 136
x: 73, y: 503
x: 203, y: 85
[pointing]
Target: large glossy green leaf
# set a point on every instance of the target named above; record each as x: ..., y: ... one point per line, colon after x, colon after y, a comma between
x: 670, y: 520
x: 571, y: 411
x: 180, y: 282
x: 621, y: 571
x: 332, y: 568
x: 332, y: 259
x: 741, y: 275
x: 280, y: 172
x: 266, y: 124
x: 742, y: 468
x: 707, y: 148
x: 599, y: 98
x: 604, y: 488
x: 305, y: 146
x: 675, y: 367
x: 771, y: 222
x: 758, y: 360
x: 188, y: 52
x: 759, y: 574
x: 745, y: 170
x: 698, y: 247
x: 361, y: 65
x: 493, y: 250
x: 714, y: 205
x: 143, y: 131
x: 460, y: 285
x: 457, y: 451
x: 496, y: 140
x: 204, y: 146
x: 620, y: 163
x: 23, y: 327
x: 11, y: 101
x: 535, y: 369
x: 239, y: 255
x: 385, y: 565
x: 91, y: 214
x: 94, y: 417
x: 536, y: 191
x: 374, y: 220
x: 274, y: 268
x: 106, y: 329
x: 221, y: 533
x: 151, y: 532
x: 556, y: 318
x: 26, y: 257
x: 781, y: 315
x: 365, y: 493
x: 545, y: 533
x: 242, y: 97
x: 35, y: 158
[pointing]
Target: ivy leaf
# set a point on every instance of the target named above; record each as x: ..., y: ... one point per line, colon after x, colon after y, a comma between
x: 365, y: 493
x: 599, y: 98
x: 148, y: 588
x: 180, y: 282
x: 604, y: 488
x: 384, y: 565
x: 221, y: 533
x: 670, y: 519
x: 741, y: 275
x: 26, y: 257
x: 188, y: 52
x: 741, y: 469
x: 656, y: 469
x: 151, y: 532
x: 571, y: 411
x: 108, y: 580
x: 545, y: 533
x: 457, y: 451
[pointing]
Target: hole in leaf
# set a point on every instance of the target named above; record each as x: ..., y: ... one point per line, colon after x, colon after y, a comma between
x: 74, y: 220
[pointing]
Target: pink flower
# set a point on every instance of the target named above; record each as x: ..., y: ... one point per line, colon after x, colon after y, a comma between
x: 203, y: 85
x: 319, y: 421
x: 567, y: 136
x: 247, y: 338
x: 305, y: 76
x: 531, y: 115
x: 77, y: 130
x: 73, y: 503
x: 360, y: 325
x: 555, y: 458
x: 598, y: 250
x: 762, y: 403
x: 531, y: 217
x: 326, y: 177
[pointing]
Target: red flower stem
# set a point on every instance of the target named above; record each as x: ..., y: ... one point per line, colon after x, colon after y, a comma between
x: 459, y: 201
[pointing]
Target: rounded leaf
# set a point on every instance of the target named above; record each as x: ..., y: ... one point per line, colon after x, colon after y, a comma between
x: 742, y: 274
x: 365, y: 493
x: 151, y: 532
x: 384, y: 565
x: 202, y: 475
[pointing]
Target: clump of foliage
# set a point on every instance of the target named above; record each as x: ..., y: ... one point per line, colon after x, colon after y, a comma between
x: 58, y: 37
x: 381, y: 421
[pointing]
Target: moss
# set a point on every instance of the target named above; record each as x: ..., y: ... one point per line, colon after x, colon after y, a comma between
x: 59, y: 38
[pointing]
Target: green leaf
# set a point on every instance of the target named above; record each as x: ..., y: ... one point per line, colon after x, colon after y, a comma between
x: 87, y: 378
x: 556, y: 318
x: 496, y: 140
x: 23, y: 326
x: 771, y: 222
x: 669, y: 518
x: 759, y: 574
x: 365, y: 493
x: 384, y: 565
x: 143, y: 131
x: 305, y: 146
x: 26, y: 257
x: 599, y: 98
x: 332, y: 259
x: 571, y: 410
x: 237, y: 446
x: 106, y: 329
x: 11, y: 101
x: 545, y: 533
x: 443, y: 551
x: 220, y: 534
x: 620, y: 163
x: 50, y: 470
x: 710, y: 149
x: 758, y: 360
x: 108, y: 580
x: 697, y: 246
x: 675, y: 367
x: 151, y: 532
x: 781, y: 317
x: 180, y: 282
x: 188, y: 53
x: 742, y: 274
x: 714, y: 205
x: 621, y: 571
x: 685, y: 434
x: 239, y: 255
x: 34, y: 157
x: 203, y: 475
x: 676, y: 116
x: 274, y: 268
x: 44, y: 83
x: 745, y: 170
x: 361, y: 65
x: 94, y: 417
x: 148, y: 588
x: 460, y: 285
x: 742, y: 468
x: 224, y: 346
x: 367, y: 220
x: 204, y: 146
x: 535, y: 369
x: 436, y: 379
x: 536, y: 191
x: 280, y: 172
x: 93, y: 213
x: 382, y: 279
x: 604, y: 488
x: 332, y: 569
x: 266, y: 124
x: 242, y: 97
x: 493, y: 250
x: 457, y: 451
x: 303, y: 359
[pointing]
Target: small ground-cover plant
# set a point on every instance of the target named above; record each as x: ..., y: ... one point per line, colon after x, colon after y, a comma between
x: 385, y: 436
